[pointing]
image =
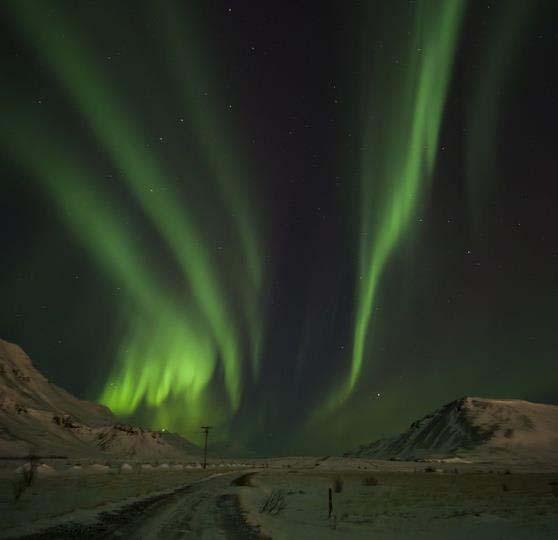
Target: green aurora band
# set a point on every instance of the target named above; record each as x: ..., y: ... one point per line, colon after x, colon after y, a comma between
x: 85, y: 210
x: 216, y: 138
x: 174, y: 345
x: 186, y: 345
x: 402, y: 117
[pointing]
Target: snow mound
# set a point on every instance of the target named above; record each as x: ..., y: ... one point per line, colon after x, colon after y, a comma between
x: 45, y: 470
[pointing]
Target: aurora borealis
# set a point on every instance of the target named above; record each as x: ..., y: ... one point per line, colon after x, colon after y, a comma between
x: 305, y: 225
x: 406, y: 150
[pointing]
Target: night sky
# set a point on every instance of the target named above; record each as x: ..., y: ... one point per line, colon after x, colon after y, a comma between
x: 304, y: 223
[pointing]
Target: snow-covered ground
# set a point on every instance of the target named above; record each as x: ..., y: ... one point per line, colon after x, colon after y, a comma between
x: 409, y: 505
x: 284, y: 498
x: 58, y: 491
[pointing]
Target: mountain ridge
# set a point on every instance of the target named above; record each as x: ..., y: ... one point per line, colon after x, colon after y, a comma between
x: 478, y: 429
x: 38, y: 417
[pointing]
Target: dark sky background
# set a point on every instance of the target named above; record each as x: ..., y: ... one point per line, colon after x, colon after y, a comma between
x: 467, y: 299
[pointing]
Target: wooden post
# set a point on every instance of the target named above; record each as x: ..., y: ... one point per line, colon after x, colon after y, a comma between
x: 206, y: 431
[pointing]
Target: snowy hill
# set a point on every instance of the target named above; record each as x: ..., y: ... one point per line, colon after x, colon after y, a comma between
x: 477, y: 429
x: 38, y: 417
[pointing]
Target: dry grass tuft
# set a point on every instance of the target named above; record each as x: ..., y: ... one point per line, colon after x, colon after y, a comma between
x: 370, y: 481
x: 338, y: 484
x: 274, y: 503
x: 25, y: 479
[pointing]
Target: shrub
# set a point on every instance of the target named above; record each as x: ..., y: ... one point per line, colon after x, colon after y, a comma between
x: 26, y: 477
x: 338, y: 484
x: 274, y: 503
x: 370, y: 481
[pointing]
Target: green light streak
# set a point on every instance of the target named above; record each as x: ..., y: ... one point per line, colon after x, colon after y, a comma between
x: 169, y: 351
x: 179, y: 352
x: 399, y: 154
x: 224, y: 156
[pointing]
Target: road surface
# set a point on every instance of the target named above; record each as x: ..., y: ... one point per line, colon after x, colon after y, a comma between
x: 207, y: 509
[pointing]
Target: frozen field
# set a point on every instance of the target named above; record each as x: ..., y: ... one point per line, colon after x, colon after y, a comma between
x: 284, y: 498
x: 61, y: 492
x: 405, y: 505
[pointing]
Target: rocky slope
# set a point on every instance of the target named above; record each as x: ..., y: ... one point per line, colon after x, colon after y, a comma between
x: 476, y: 429
x: 38, y: 417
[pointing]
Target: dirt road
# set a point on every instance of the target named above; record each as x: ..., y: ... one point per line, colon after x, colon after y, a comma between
x: 207, y: 509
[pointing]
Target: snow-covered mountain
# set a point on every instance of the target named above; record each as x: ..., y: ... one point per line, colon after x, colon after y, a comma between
x: 477, y: 429
x: 38, y: 417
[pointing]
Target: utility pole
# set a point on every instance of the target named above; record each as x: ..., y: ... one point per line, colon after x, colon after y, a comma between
x: 206, y: 431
